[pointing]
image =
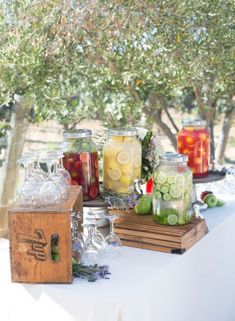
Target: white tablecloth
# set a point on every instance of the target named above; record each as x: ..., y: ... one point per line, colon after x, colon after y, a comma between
x: 144, y: 286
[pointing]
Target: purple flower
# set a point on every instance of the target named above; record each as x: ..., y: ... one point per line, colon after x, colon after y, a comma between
x: 92, y: 273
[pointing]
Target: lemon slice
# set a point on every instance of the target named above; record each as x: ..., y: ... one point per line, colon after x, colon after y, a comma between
x: 115, y: 174
x: 137, y: 161
x: 123, y: 157
x: 175, y: 191
x: 172, y: 219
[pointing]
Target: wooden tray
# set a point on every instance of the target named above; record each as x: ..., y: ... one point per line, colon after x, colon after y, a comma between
x: 141, y: 232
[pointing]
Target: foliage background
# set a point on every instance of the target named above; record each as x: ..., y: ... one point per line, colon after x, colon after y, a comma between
x: 143, y: 62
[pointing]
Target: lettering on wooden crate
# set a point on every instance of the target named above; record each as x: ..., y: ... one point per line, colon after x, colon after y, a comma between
x: 37, y: 244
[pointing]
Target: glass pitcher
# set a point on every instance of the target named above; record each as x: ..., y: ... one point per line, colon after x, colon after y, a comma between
x: 172, y: 193
x: 121, y: 160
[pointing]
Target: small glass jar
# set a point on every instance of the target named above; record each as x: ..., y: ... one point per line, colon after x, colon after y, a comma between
x: 121, y: 161
x: 81, y: 160
x: 194, y: 141
x: 172, y: 192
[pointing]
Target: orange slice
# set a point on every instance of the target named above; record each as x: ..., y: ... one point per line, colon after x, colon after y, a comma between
x: 84, y: 157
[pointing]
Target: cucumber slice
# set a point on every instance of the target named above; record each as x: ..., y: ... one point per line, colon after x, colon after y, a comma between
x: 158, y: 195
x: 166, y: 197
x: 171, y: 179
x: 179, y: 180
x: 175, y: 191
x: 172, y: 219
x: 161, y: 177
x: 165, y: 188
x: 158, y: 187
x: 160, y: 219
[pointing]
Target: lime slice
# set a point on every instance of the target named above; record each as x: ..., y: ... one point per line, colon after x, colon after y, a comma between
x: 172, y: 219
x: 175, y: 191
x: 179, y: 180
x: 171, y: 179
x: 166, y: 197
x: 115, y: 174
x: 158, y: 195
x: 161, y: 178
x: 158, y: 187
x: 123, y: 157
x: 165, y: 188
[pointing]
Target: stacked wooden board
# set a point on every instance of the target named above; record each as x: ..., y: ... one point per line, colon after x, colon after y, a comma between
x: 141, y: 232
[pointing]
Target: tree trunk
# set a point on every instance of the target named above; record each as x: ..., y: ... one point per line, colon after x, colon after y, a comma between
x: 212, y: 141
x: 166, y: 130
x: 227, y: 123
x: 10, y: 169
x: 156, y: 115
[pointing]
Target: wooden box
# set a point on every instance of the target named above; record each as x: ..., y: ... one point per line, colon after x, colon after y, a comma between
x: 141, y: 232
x: 30, y: 242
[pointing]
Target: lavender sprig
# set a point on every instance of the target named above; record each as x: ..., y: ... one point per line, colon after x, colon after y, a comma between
x: 90, y: 272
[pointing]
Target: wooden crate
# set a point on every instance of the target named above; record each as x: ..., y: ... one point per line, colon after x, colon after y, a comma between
x: 30, y: 242
x: 141, y: 232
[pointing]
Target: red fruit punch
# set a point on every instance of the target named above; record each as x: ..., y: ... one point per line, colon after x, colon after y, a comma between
x: 93, y: 191
x: 195, y: 142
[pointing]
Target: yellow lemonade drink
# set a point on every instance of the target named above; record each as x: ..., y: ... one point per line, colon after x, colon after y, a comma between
x: 121, y: 161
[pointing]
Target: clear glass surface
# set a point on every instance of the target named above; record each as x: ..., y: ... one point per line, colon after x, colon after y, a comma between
x: 121, y: 164
x: 172, y: 193
x: 113, y: 243
x: 50, y: 192
x: 91, y: 252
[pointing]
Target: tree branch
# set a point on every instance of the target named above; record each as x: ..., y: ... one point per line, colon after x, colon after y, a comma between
x: 134, y: 93
x: 153, y: 111
x: 171, y: 119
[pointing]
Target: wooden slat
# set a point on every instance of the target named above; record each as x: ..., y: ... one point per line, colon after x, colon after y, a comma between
x: 140, y: 231
x: 147, y: 246
x: 154, y: 228
x: 28, y: 268
x: 30, y: 242
x: 158, y: 236
x: 149, y: 240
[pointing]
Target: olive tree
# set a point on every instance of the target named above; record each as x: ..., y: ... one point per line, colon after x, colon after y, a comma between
x: 135, y: 60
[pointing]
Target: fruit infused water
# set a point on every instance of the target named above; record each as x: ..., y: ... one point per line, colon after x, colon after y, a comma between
x: 194, y: 141
x: 172, y: 192
x: 81, y: 160
x: 121, y: 161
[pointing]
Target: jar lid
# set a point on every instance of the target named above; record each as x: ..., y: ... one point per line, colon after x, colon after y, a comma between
x: 78, y: 133
x: 194, y: 122
x: 123, y: 132
x: 170, y: 157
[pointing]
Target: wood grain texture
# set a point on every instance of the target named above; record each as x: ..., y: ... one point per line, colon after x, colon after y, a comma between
x: 30, y: 242
x: 141, y: 232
